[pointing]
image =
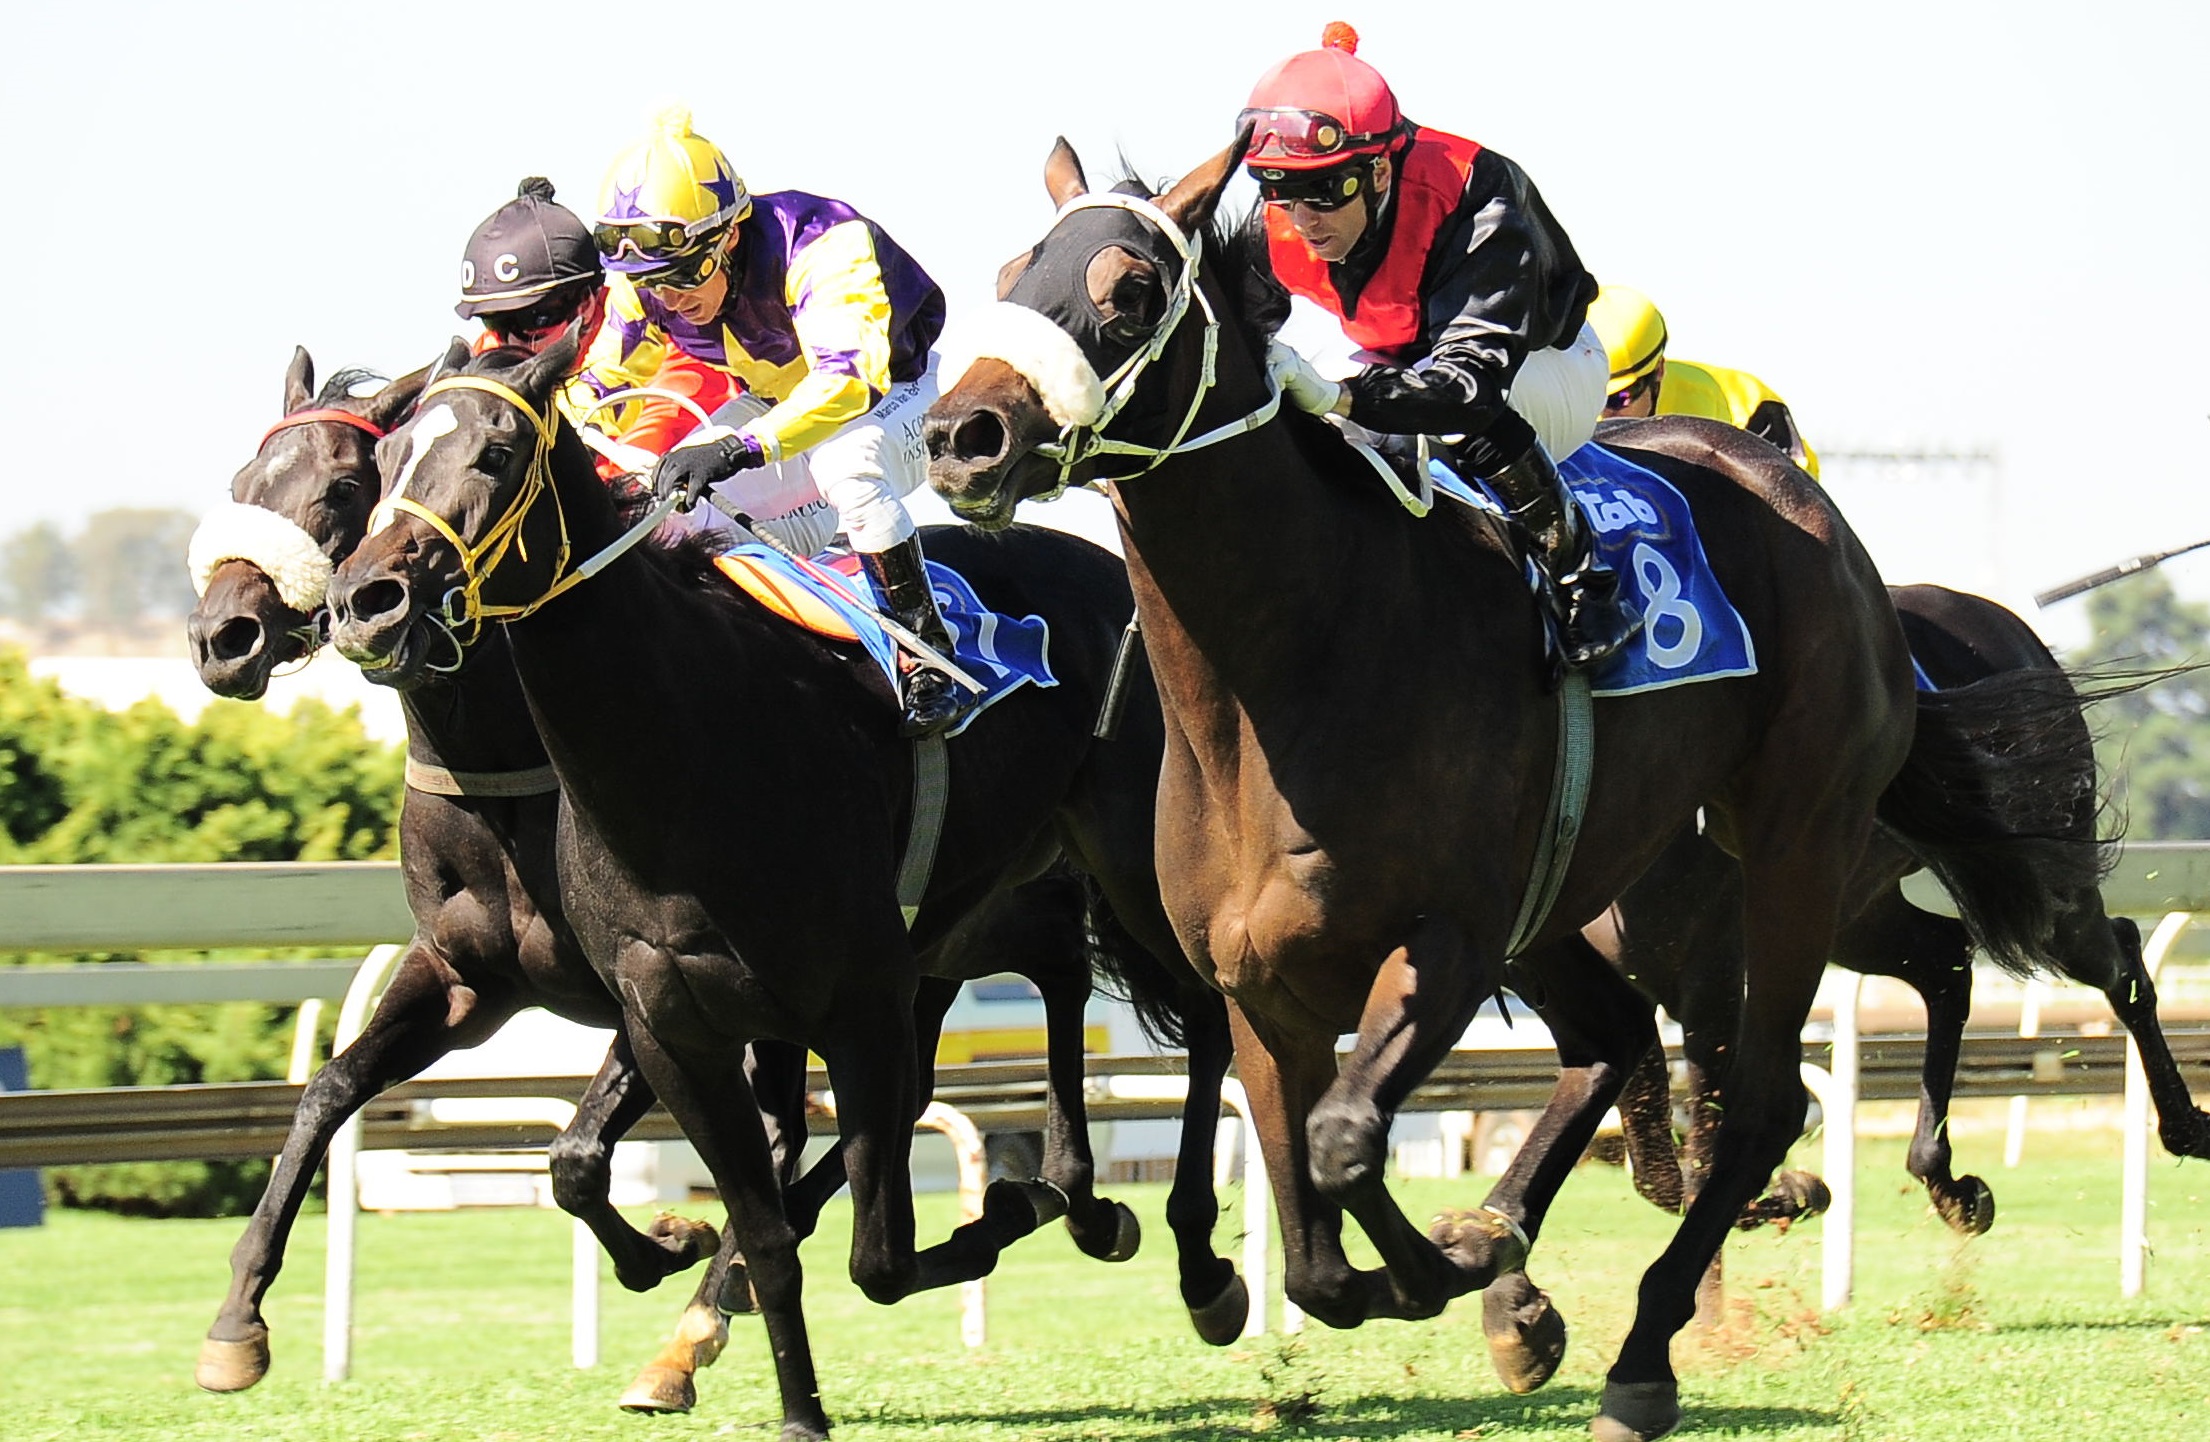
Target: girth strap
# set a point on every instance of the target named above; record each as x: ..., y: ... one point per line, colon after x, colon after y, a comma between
x: 1561, y: 821
x: 932, y: 789
x: 438, y: 781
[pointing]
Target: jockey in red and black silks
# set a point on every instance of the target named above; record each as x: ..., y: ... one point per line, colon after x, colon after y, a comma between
x: 1441, y: 262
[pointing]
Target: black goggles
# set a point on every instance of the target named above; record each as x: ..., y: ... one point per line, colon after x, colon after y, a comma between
x: 1627, y: 395
x: 1319, y: 189
x: 552, y: 313
x: 1298, y: 135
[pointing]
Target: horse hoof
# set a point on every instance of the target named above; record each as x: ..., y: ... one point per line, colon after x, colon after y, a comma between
x: 1480, y: 1244
x: 1022, y: 1206
x: 1220, y: 1321
x: 1967, y: 1205
x: 660, y: 1389
x: 233, y: 1366
x: 687, y: 1240
x: 736, y: 1298
x: 1526, y: 1333
x: 1637, y: 1411
x: 1794, y: 1196
x: 2187, y: 1136
x: 1127, y: 1234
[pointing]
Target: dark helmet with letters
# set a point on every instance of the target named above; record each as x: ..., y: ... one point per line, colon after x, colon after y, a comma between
x: 528, y: 250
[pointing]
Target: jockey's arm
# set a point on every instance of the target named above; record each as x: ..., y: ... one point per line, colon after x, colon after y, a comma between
x: 841, y: 310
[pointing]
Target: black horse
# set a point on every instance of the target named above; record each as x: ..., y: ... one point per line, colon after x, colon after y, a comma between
x: 1677, y: 934
x: 750, y: 896
x: 491, y: 937
x: 1358, y: 775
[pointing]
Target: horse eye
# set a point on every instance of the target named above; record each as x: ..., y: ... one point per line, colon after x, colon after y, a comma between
x: 344, y: 488
x: 494, y: 459
x: 1133, y: 299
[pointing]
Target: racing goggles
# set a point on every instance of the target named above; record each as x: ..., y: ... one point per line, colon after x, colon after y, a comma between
x: 1299, y: 135
x: 1319, y: 189
x: 539, y: 321
x: 644, y: 239
x: 684, y: 272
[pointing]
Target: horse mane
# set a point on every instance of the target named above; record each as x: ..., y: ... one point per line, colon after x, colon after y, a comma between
x: 339, y: 388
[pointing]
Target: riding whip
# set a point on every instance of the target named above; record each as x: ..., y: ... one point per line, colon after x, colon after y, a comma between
x: 1116, y: 685
x: 2118, y: 572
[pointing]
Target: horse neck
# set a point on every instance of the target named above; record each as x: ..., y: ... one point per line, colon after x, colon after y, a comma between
x: 476, y: 718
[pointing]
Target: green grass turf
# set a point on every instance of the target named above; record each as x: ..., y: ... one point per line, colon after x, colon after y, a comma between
x: 462, y: 1332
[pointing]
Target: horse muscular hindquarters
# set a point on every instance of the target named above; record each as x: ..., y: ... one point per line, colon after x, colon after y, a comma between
x: 752, y: 896
x: 1677, y: 931
x: 1356, y: 775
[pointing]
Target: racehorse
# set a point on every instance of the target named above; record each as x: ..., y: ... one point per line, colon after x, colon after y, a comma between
x: 748, y: 894
x: 477, y: 828
x: 1361, y: 737
x: 1677, y: 934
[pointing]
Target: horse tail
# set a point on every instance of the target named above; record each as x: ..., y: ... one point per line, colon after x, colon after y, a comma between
x: 1998, y: 799
x: 1125, y: 970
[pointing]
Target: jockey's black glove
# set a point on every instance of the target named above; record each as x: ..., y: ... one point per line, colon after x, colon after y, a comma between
x: 688, y: 470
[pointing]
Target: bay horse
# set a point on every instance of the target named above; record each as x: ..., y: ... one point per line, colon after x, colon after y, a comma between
x: 491, y: 937
x: 745, y: 894
x: 1361, y: 736
x: 1677, y: 935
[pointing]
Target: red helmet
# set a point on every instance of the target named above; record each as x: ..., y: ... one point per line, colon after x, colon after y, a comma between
x: 1318, y: 109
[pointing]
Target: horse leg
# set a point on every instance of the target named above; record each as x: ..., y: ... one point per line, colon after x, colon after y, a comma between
x: 1106, y: 1230
x: 712, y: 1101
x: 1603, y: 1029
x: 1284, y: 1076
x: 427, y: 1011
x: 1646, y: 1122
x: 1219, y: 1302
x: 1792, y: 903
x: 580, y: 1161
x: 1934, y: 957
x: 1421, y: 1002
x: 2105, y: 951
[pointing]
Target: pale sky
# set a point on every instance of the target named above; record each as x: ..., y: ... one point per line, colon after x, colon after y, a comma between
x: 1926, y: 225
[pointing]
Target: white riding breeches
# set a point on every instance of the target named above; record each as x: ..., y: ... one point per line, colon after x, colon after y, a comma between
x: 1561, y: 393
x: 852, y: 482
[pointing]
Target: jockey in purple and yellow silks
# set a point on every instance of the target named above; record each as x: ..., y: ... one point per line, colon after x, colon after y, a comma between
x: 1440, y: 260
x: 828, y: 324
x: 1644, y: 382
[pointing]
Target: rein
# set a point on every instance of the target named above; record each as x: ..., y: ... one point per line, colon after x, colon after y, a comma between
x: 1084, y: 441
x: 479, y: 561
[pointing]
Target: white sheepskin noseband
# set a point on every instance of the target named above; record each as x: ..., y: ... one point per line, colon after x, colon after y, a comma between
x: 287, y: 555
x: 1030, y: 343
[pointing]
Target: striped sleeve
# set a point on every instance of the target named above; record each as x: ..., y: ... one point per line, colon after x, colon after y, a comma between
x: 841, y: 310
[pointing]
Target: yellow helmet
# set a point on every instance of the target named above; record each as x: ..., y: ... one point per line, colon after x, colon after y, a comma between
x: 1632, y: 331
x: 668, y: 195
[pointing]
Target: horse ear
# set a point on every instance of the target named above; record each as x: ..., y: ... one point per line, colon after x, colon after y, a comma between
x: 1012, y: 271
x: 451, y: 362
x: 1063, y: 176
x: 299, y: 380
x: 385, y: 408
x: 1192, y: 200
x: 537, y: 377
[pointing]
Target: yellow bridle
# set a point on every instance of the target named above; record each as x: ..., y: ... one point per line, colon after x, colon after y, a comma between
x: 479, y: 561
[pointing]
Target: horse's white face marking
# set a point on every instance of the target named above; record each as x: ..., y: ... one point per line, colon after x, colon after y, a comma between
x: 430, y: 427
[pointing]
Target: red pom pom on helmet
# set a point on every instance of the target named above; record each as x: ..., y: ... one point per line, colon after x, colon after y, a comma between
x: 1339, y: 36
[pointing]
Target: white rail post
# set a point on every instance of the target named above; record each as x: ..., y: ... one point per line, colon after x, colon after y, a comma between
x: 2029, y: 1026
x: 344, y: 1185
x: 974, y: 1175
x: 1837, y: 1093
x: 2133, y: 1215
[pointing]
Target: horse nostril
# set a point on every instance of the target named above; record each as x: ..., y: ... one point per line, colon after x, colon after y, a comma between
x: 979, y: 439
x: 236, y: 639
x: 376, y: 599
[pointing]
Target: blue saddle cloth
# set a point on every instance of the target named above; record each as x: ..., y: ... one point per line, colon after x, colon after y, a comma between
x: 1003, y: 652
x: 1690, y: 630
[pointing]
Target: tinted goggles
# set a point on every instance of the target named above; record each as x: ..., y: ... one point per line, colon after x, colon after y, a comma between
x: 1299, y: 135
x: 685, y: 272
x: 643, y: 237
x: 548, y: 315
x: 1319, y: 189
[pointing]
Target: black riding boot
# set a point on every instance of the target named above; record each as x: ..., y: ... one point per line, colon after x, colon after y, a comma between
x: 933, y: 701
x: 1598, y: 619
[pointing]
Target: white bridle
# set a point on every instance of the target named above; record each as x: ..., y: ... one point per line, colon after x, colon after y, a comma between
x: 1081, y: 437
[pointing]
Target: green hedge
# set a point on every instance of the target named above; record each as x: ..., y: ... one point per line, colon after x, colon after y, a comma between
x: 81, y: 784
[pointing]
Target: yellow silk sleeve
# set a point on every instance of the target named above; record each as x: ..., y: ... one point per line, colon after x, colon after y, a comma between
x: 841, y: 310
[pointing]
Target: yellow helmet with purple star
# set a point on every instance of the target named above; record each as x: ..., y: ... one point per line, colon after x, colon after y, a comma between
x: 667, y: 198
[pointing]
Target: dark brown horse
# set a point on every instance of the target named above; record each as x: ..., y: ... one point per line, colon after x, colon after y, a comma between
x: 1361, y: 743
x: 746, y: 893
x: 491, y: 937
x: 1677, y: 935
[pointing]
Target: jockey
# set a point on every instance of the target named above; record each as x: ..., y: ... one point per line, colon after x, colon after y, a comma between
x: 529, y: 271
x: 828, y: 324
x: 1645, y: 383
x: 1441, y: 261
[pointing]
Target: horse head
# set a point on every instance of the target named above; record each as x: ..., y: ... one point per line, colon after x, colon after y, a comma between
x: 459, y: 524
x: 261, y: 563
x: 1034, y: 384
